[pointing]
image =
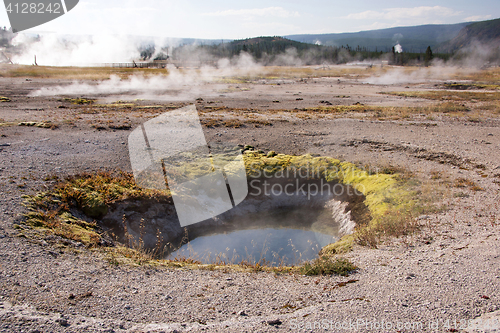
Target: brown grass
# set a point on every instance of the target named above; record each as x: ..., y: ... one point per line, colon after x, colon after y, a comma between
x: 76, y: 73
x: 336, y: 111
x: 445, y: 95
x: 464, y: 183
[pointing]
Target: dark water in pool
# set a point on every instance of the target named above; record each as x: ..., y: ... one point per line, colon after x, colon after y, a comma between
x: 275, y: 246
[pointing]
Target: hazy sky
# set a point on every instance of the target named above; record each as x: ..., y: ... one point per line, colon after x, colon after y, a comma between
x: 242, y: 19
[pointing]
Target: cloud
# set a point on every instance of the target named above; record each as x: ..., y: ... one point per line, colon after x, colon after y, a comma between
x: 269, y: 11
x: 477, y: 18
x: 404, y: 13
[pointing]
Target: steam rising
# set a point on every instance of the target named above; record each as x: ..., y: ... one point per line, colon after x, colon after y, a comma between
x: 176, y: 86
x: 398, y: 75
x: 55, y: 50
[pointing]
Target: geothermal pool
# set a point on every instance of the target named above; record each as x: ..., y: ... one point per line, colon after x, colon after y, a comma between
x: 286, y: 236
x: 272, y: 246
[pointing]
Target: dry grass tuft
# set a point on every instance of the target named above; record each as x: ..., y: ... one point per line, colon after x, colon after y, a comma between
x: 326, y: 265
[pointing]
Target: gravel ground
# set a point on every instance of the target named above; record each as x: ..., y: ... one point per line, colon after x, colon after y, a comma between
x: 435, y: 281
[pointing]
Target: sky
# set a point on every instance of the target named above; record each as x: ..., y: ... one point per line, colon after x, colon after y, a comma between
x: 221, y: 19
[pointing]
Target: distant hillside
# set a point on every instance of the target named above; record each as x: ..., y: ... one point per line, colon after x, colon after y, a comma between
x: 269, y: 51
x: 485, y: 32
x: 413, y: 39
x: 282, y: 51
x: 263, y: 49
x: 269, y: 45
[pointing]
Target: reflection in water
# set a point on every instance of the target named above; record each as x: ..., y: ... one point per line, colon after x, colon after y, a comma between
x: 276, y: 247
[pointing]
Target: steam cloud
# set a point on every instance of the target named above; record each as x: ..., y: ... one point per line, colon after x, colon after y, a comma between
x: 176, y: 86
x: 56, y: 50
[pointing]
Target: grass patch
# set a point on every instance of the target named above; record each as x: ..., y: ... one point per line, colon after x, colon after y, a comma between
x: 221, y: 122
x: 78, y: 101
x: 76, y: 73
x: 464, y: 182
x: 103, y: 73
x: 356, y: 110
x: 43, y: 124
x: 326, y: 265
x: 213, y: 122
x: 488, y: 76
x: 441, y: 95
x: 91, y: 194
x: 467, y: 86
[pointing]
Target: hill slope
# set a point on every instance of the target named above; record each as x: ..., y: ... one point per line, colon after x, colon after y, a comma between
x: 414, y: 39
x: 276, y: 40
x: 485, y: 32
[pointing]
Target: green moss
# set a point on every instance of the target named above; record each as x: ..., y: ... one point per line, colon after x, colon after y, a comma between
x: 79, y: 101
x: 387, y: 196
x: 91, y: 193
x: 343, y: 245
x: 93, y: 205
x: 325, y: 265
x: 44, y: 124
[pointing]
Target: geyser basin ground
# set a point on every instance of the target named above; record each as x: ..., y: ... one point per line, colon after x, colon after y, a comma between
x: 439, y: 273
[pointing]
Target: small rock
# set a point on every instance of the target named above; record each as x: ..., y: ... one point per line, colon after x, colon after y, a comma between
x: 242, y: 313
x: 275, y: 322
x: 63, y: 322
